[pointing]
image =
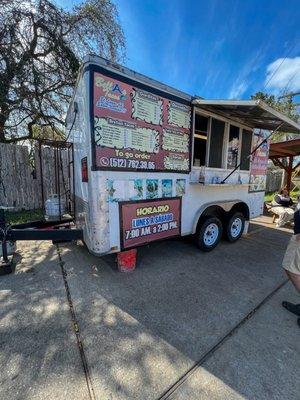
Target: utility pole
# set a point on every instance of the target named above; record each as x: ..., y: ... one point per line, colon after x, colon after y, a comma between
x: 290, y: 95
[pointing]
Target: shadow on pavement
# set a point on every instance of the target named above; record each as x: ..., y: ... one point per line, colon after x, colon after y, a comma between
x: 38, y: 353
x: 142, y: 331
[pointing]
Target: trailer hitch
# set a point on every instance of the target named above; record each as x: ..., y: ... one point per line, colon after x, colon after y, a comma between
x: 57, y: 231
x: 5, y: 263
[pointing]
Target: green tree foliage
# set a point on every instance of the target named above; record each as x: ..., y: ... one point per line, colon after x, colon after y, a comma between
x: 41, y: 48
x: 285, y: 105
x: 47, y: 132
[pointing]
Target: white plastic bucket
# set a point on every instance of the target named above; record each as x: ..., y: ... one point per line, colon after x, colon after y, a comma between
x: 52, y: 208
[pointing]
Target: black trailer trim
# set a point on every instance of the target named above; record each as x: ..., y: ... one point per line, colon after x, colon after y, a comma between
x: 42, y: 223
x: 42, y: 234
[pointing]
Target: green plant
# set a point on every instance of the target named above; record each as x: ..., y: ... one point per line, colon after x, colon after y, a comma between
x: 20, y: 217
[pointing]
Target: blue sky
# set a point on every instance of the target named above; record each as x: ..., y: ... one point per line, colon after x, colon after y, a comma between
x: 214, y: 48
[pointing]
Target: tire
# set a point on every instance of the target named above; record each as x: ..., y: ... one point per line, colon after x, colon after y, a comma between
x: 208, y: 234
x: 235, y: 227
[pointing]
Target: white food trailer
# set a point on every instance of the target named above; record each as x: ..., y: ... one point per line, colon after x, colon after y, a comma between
x: 152, y: 162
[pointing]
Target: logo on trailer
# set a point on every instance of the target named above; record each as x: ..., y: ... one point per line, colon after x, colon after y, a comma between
x: 116, y: 89
x: 112, y: 97
x: 113, y: 90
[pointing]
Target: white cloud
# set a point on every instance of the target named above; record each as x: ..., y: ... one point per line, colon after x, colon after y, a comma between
x: 284, y: 74
x: 243, y: 80
x: 238, y: 89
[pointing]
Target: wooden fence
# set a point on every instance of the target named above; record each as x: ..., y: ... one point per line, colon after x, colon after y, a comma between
x: 21, y: 183
x: 20, y: 175
x: 274, y: 180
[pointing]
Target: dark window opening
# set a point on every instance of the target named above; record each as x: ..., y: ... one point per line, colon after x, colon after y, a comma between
x: 246, y: 150
x: 233, y: 146
x: 216, y: 143
x: 200, y: 140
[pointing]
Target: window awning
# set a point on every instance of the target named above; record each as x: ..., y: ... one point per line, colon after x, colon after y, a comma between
x: 253, y: 113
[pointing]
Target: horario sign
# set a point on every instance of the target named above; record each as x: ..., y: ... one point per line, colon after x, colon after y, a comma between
x: 149, y: 220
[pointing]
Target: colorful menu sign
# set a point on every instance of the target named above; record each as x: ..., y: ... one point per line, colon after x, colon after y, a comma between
x: 259, y: 161
x: 145, y: 221
x: 135, y: 129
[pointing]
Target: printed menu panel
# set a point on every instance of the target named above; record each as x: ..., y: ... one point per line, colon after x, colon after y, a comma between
x: 176, y: 161
x: 147, y: 107
x: 175, y: 141
x: 119, y: 134
x: 135, y: 129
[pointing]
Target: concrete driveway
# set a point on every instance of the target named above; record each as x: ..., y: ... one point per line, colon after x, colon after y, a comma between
x: 184, y: 325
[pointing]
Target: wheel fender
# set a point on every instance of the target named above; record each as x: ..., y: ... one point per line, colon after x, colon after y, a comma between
x: 225, y: 205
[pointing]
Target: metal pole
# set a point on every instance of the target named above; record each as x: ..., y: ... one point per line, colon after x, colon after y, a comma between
x: 289, y: 174
x: 69, y: 182
x: 73, y: 171
x: 58, y: 180
x: 292, y: 94
x: 42, y: 177
x: 55, y: 168
x: 3, y: 229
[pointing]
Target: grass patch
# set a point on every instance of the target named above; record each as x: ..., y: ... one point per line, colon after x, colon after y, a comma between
x: 20, y: 217
x: 294, y: 194
x: 269, y: 196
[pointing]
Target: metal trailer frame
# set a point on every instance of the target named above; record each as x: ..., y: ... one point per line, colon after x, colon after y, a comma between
x: 59, y: 230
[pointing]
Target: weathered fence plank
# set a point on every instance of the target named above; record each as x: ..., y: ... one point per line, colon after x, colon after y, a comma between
x: 20, y: 180
x: 274, y: 180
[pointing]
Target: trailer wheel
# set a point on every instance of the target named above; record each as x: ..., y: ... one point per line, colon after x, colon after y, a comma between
x: 208, y: 234
x: 235, y: 227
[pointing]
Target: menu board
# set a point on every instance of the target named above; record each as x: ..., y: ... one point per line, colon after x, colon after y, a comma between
x: 178, y: 115
x: 145, y: 221
x: 259, y: 161
x: 135, y: 129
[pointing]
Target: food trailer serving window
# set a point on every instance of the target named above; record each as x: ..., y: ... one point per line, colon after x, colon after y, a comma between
x: 220, y: 144
x: 230, y: 129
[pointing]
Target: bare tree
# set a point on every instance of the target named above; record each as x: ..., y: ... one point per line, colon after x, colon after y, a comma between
x: 41, y: 46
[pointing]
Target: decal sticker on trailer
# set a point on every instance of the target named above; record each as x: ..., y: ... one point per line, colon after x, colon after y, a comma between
x: 259, y: 161
x: 146, y: 221
x: 84, y: 170
x: 135, y: 129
